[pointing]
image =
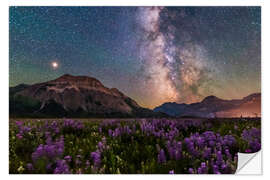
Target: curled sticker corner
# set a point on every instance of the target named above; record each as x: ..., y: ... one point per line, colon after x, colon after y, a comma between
x: 249, y: 163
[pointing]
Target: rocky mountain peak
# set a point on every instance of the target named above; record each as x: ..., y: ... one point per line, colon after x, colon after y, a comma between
x: 78, y: 80
x: 73, y: 96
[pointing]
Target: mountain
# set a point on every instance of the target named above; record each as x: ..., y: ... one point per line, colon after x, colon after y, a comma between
x: 213, y: 106
x: 73, y: 96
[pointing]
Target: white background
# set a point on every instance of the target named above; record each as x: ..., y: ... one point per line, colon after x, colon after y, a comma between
x: 4, y: 4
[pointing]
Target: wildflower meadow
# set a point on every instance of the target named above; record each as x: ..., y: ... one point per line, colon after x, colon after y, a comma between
x: 130, y: 146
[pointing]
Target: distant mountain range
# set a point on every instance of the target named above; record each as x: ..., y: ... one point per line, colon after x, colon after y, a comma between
x: 73, y: 96
x: 82, y: 96
x: 213, y: 106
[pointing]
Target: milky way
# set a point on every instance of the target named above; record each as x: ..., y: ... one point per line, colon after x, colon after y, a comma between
x: 152, y: 54
x: 174, y: 72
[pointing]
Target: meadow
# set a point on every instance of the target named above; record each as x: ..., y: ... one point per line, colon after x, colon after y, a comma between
x: 130, y: 146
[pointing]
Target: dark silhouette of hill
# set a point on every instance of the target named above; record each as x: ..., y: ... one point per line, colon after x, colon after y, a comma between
x: 212, y: 106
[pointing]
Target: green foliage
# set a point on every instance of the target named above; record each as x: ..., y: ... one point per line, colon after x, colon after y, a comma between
x: 21, y: 105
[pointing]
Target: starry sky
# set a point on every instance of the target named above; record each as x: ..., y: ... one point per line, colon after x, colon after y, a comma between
x: 152, y: 54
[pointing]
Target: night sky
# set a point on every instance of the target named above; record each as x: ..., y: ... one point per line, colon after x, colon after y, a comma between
x: 152, y: 54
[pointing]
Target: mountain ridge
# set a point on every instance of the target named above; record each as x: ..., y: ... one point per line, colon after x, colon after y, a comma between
x: 70, y: 96
x: 212, y: 106
x: 83, y: 96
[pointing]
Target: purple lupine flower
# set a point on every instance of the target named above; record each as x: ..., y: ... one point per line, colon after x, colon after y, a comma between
x: 199, y: 171
x: 56, y: 130
x: 174, y: 149
x: 211, y: 143
x: 72, y: 124
x: 96, y: 156
x: 38, y: 153
x: 219, y: 158
x: 248, y: 151
x: 100, y: 130
x: 252, y: 133
x: 19, y: 123
x: 228, y: 140
x: 207, y: 153
x: 216, y: 169
x: 60, y: 150
x: 200, y: 141
x: 203, y: 169
x: 253, y: 138
x: 117, y: 132
x: 50, y: 151
x: 191, y: 171
x: 223, y: 166
x: 255, y: 145
x: 68, y: 158
x: 61, y: 167
x: 101, y: 146
x: 110, y: 132
x: 161, y: 156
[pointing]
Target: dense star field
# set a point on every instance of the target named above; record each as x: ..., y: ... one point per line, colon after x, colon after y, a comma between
x: 152, y: 54
x: 134, y: 146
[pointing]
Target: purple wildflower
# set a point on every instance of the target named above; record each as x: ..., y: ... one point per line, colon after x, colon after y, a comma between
x: 19, y: 123
x: 96, y: 156
x: 248, y: 151
x: 68, y: 158
x: 191, y: 171
x: 161, y: 156
x: 61, y: 167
